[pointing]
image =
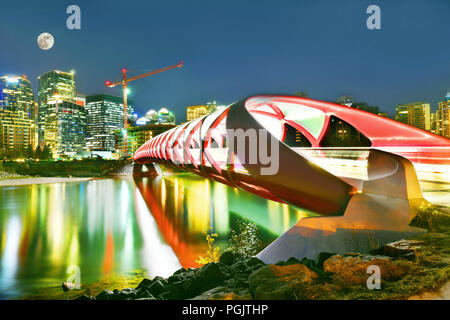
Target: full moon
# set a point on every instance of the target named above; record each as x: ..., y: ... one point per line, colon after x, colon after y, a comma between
x: 45, y: 41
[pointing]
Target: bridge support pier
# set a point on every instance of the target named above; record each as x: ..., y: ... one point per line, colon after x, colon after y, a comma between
x: 381, y: 213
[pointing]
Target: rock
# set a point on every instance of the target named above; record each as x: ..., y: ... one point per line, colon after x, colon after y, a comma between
x: 157, y: 287
x: 292, y: 260
x: 227, y: 258
x: 125, y: 294
x: 322, y: 257
x: 273, y: 282
x: 354, y: 268
x: 208, y: 277
x: 144, y: 284
x: 104, y: 295
x: 255, y: 262
x: 142, y: 293
x: 224, y: 293
x: 402, y: 247
x: 85, y: 298
x: 66, y: 286
x: 180, y: 275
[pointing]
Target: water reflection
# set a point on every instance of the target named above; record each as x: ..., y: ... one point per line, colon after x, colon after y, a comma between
x: 185, y: 206
x: 120, y: 226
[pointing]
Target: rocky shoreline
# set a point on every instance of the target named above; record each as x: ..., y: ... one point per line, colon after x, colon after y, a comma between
x: 330, y: 276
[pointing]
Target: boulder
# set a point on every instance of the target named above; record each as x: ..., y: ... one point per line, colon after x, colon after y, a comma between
x: 157, y: 287
x: 228, y: 258
x: 143, y: 293
x: 105, y: 295
x: 66, y: 286
x: 353, y: 268
x: 224, y: 293
x: 273, y: 282
x: 125, y: 294
x: 145, y: 283
x: 402, y: 247
x: 207, y: 277
x: 322, y: 257
x: 85, y: 298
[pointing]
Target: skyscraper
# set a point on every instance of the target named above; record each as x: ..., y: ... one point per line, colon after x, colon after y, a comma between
x: 17, y: 113
x: 194, y: 112
x: 16, y: 94
x: 443, y: 117
x: 61, y: 121
x: 415, y: 114
x: 165, y: 116
x: 104, y: 118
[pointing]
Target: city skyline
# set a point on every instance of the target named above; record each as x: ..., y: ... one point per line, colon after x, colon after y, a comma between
x: 324, y: 50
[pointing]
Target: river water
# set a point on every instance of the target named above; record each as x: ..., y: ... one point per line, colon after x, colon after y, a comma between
x: 109, y: 228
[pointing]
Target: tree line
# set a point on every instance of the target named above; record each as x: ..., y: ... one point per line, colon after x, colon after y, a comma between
x: 44, y: 153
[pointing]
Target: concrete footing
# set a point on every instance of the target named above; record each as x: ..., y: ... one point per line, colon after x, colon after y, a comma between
x: 380, y: 214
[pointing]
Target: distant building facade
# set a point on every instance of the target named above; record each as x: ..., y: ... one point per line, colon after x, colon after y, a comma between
x: 17, y: 113
x: 165, y: 116
x: 195, y: 112
x: 415, y: 114
x: 61, y: 116
x: 443, y: 117
x: 198, y: 111
x: 139, y: 135
x: 104, y: 116
x: 65, y: 129
x: 17, y: 130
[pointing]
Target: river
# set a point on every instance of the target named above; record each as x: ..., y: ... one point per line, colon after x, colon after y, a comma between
x: 115, y: 228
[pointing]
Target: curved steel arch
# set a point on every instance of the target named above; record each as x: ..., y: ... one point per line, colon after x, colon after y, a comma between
x: 200, y: 146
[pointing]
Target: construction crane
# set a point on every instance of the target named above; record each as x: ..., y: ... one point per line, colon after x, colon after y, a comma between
x: 124, y: 84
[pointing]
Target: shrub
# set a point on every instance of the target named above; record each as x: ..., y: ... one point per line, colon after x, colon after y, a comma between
x: 245, y: 239
x: 213, y: 252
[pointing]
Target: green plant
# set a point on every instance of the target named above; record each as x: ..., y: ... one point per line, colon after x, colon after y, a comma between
x: 245, y: 239
x: 432, y: 219
x: 212, y: 253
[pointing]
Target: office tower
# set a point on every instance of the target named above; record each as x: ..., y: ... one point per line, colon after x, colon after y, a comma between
x: 198, y: 111
x: 65, y: 130
x: 17, y: 113
x: 443, y: 117
x: 104, y: 118
x: 80, y: 99
x: 139, y: 135
x: 16, y: 94
x: 415, y: 114
x: 61, y: 121
x: 16, y: 130
x: 165, y: 116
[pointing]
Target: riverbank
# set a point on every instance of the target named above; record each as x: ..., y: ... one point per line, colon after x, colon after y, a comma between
x: 409, y: 269
x: 87, y: 168
x: 22, y: 181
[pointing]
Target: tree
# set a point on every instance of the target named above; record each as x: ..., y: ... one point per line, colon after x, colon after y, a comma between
x: 30, y: 152
x: 38, y: 153
x: 46, y: 153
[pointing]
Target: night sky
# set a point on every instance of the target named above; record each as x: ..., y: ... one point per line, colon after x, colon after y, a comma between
x: 236, y: 48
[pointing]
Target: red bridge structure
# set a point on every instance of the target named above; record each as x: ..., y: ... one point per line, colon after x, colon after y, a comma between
x: 354, y: 168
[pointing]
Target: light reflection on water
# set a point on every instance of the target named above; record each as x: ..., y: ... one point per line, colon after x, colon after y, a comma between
x: 113, y: 227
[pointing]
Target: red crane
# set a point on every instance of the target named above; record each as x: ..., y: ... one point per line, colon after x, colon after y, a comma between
x: 124, y: 84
